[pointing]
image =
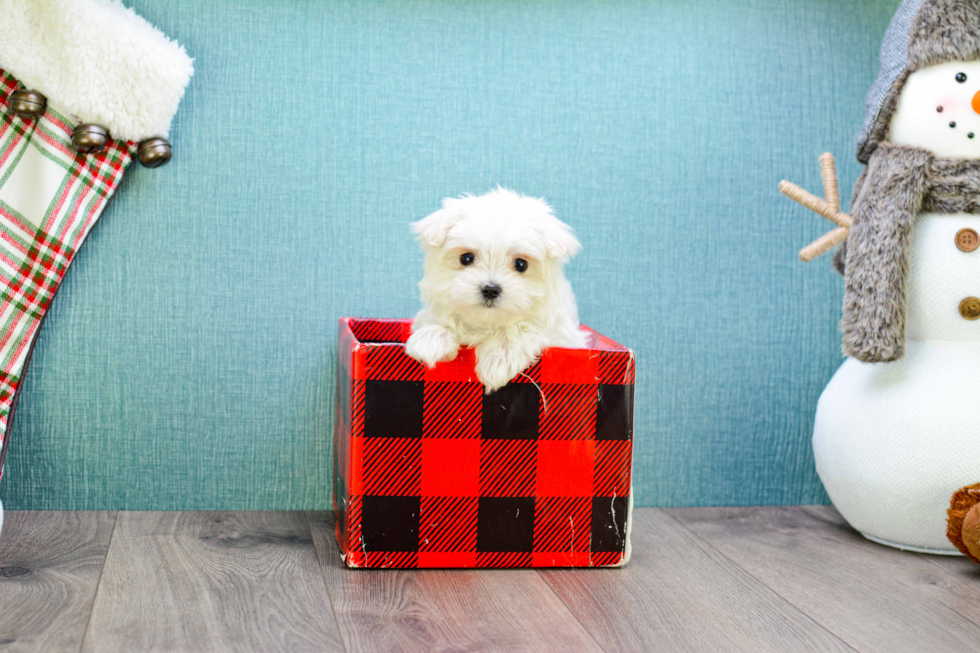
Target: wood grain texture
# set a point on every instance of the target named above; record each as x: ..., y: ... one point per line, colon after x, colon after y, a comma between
x: 679, y: 594
x: 50, y: 564
x: 458, y: 610
x: 873, y: 597
x: 961, y: 566
x: 212, y: 581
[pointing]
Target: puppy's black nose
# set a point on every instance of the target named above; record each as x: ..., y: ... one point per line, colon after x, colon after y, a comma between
x: 491, y: 291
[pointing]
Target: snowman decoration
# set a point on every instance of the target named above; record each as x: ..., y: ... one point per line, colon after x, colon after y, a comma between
x: 897, y: 429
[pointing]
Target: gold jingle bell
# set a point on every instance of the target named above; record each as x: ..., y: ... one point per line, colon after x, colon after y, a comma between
x: 154, y: 152
x: 27, y: 104
x: 88, y: 138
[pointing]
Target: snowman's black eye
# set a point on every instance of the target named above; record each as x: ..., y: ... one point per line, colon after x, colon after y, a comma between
x: 961, y: 77
x: 467, y: 258
x: 520, y: 264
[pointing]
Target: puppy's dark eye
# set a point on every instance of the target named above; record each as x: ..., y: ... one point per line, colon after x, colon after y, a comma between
x: 520, y: 264
x: 467, y: 258
x: 961, y: 77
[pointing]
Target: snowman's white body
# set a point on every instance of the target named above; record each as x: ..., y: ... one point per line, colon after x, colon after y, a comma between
x: 893, y: 441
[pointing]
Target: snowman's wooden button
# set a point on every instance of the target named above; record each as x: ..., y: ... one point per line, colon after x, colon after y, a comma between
x: 970, y: 308
x: 967, y: 240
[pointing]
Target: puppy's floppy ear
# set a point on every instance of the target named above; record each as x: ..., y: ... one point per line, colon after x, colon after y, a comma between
x: 559, y: 240
x: 434, y: 228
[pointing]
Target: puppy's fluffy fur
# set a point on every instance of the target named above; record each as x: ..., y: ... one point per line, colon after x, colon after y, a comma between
x: 531, y: 310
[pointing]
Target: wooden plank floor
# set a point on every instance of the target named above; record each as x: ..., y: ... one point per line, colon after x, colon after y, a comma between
x: 701, y: 579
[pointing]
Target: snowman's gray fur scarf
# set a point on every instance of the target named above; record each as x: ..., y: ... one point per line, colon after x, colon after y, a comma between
x: 898, y: 184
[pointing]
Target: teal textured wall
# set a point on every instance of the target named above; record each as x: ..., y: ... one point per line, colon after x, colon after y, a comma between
x: 188, y: 361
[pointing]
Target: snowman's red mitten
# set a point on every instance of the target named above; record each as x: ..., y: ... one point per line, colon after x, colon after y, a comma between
x: 963, y: 522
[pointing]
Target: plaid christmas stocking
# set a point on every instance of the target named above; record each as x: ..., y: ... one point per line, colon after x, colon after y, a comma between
x: 86, y: 86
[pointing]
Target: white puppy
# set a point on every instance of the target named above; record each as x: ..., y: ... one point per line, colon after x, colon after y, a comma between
x: 493, y: 280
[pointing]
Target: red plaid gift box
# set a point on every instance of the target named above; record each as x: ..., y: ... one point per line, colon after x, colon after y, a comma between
x: 431, y: 472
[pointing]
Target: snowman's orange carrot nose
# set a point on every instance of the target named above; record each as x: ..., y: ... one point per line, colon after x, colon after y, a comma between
x: 976, y: 102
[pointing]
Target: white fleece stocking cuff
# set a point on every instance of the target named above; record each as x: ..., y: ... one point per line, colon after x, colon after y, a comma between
x: 96, y: 61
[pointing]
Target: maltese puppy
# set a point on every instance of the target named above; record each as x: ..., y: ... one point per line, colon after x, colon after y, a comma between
x: 494, y: 281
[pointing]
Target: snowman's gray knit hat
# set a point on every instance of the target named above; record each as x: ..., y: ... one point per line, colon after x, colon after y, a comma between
x: 922, y: 33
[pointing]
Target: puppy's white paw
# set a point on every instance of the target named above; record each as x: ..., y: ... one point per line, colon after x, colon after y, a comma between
x: 496, y: 366
x: 432, y: 344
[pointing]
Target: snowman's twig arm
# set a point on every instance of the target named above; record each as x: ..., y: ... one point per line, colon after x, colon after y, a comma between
x: 824, y: 244
x: 828, y: 208
x: 828, y: 171
x: 815, y: 204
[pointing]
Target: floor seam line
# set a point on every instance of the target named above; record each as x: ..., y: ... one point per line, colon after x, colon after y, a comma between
x: 761, y: 582
x: 98, y: 585
x: 570, y: 611
x: 323, y: 579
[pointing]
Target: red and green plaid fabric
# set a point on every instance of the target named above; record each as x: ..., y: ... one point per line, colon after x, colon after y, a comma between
x: 50, y: 198
x: 431, y: 472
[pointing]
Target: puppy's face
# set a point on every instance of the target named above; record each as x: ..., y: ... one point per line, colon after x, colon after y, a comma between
x: 493, y: 260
